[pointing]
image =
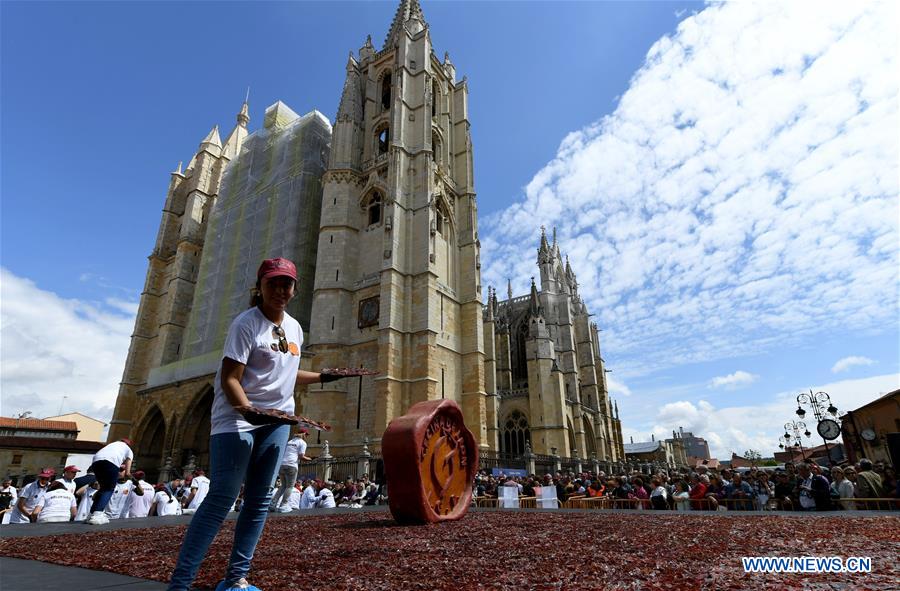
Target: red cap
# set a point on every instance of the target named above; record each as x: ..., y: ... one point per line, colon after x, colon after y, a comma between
x: 47, y: 473
x: 275, y: 268
x: 72, y: 468
x: 302, y: 430
x: 126, y: 441
x: 139, y: 474
x: 198, y: 472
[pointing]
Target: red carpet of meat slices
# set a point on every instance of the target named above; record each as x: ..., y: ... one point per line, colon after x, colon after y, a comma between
x: 486, y: 550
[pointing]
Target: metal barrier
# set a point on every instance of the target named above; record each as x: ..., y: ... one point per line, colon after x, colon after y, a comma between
x: 707, y: 504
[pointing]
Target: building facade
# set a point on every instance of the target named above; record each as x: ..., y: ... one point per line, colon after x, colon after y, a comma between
x: 546, y: 375
x: 380, y: 214
x: 873, y: 431
x: 27, y: 446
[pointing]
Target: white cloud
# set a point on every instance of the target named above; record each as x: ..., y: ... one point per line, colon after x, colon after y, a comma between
x: 848, y: 362
x: 52, y: 348
x: 616, y: 387
x: 739, y: 428
x: 734, y: 380
x: 742, y: 195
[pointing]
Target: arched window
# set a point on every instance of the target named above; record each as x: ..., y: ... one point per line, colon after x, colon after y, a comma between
x: 386, y: 92
x: 515, y: 434
x: 382, y: 139
x: 441, y: 220
x: 374, y: 208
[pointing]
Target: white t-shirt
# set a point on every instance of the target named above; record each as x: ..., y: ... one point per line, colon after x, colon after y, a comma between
x: 659, y: 491
x: 56, y: 505
x: 116, y: 452
x: 269, y: 375
x: 164, y: 507
x: 293, y: 451
x: 294, y: 499
x: 682, y: 501
x: 32, y: 493
x: 326, y: 499
x: 201, y: 485
x: 139, y: 505
x: 117, y: 502
x: 69, y: 484
x: 12, y: 493
x: 84, y: 505
x: 308, y: 500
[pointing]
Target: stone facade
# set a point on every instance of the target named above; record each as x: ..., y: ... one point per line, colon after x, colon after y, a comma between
x: 549, y: 383
x: 397, y: 278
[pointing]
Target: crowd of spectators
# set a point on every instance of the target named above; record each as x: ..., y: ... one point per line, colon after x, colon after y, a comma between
x: 800, y: 487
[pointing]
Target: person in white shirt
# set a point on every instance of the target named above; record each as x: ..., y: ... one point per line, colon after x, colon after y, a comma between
x: 325, y: 498
x: 106, y: 467
x: 296, y: 495
x: 8, y: 497
x: 57, y: 504
x: 23, y: 512
x: 120, y: 500
x: 658, y: 496
x: 139, y: 505
x: 682, y: 496
x: 199, y: 490
x: 68, y: 477
x: 86, y: 494
x: 259, y: 372
x: 294, y: 451
x: 310, y: 494
x: 165, y: 503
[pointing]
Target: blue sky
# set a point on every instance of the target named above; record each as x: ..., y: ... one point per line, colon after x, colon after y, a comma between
x: 724, y: 179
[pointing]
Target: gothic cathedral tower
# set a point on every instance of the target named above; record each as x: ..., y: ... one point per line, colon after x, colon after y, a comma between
x: 397, y: 283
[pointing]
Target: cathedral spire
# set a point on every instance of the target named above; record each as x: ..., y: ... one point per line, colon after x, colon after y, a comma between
x: 544, y: 250
x: 212, y: 138
x: 616, y: 403
x: 408, y: 10
x: 534, y: 304
x: 351, y: 108
x: 509, y: 289
x: 490, y: 305
x: 237, y: 136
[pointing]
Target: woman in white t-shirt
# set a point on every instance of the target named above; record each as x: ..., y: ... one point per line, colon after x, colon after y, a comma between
x: 57, y: 504
x: 260, y: 367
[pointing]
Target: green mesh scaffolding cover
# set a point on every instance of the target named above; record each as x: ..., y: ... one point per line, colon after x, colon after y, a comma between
x: 269, y: 204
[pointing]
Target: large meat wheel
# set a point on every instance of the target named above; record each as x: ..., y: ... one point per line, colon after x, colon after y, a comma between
x: 430, y: 461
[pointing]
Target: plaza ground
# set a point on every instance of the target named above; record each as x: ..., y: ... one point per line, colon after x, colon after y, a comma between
x: 366, y: 549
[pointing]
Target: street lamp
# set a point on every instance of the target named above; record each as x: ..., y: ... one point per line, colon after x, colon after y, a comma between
x: 795, y: 439
x: 827, y: 427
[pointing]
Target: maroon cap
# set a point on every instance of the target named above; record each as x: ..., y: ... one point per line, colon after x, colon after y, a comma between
x: 198, y: 472
x: 47, y: 473
x: 139, y: 474
x: 276, y: 267
x: 303, y: 430
x: 72, y: 468
x: 126, y: 441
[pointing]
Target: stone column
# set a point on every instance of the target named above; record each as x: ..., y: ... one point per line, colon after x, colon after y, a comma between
x: 557, y: 465
x: 362, y: 464
x: 529, y: 459
x: 326, y: 457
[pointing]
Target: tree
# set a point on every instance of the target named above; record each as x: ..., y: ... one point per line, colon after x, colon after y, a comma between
x: 752, y: 456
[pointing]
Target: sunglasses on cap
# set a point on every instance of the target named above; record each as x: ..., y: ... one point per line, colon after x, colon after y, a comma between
x: 278, y: 332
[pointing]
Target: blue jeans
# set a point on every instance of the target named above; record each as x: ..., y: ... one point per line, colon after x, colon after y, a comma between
x: 251, y: 458
x: 107, y: 475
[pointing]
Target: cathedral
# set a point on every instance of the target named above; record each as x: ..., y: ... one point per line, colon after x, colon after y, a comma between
x: 379, y: 213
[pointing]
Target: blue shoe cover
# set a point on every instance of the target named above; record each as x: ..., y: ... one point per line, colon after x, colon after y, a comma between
x: 221, y: 587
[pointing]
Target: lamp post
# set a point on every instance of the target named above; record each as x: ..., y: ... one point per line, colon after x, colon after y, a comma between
x: 792, y: 432
x: 827, y: 427
x: 787, y: 445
